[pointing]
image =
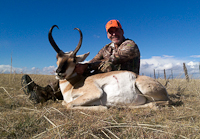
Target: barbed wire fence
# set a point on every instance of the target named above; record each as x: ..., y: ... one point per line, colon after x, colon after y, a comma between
x: 184, y: 74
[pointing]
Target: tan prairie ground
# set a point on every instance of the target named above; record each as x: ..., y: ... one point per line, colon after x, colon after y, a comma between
x: 20, y: 118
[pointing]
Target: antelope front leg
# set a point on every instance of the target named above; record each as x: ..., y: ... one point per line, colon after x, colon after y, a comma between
x: 90, y: 94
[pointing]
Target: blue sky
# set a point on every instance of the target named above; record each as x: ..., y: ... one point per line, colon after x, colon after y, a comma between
x: 167, y: 32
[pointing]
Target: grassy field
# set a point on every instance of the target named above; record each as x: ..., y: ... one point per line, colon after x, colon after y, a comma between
x: 20, y: 118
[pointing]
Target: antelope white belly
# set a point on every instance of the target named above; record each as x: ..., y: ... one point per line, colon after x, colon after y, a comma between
x: 120, y: 88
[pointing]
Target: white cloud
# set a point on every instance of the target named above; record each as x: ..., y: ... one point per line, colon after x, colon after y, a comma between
x: 170, y: 64
x: 49, y: 70
x: 46, y: 70
x: 167, y: 56
x: 7, y: 69
x: 192, y: 64
x: 195, y: 56
x: 4, y: 68
x: 96, y: 36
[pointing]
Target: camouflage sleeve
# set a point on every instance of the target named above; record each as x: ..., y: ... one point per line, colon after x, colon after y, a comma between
x: 97, y: 60
x: 128, y: 50
x: 98, y: 57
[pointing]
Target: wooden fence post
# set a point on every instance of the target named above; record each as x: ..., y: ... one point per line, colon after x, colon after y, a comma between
x: 199, y: 66
x: 154, y: 74
x: 164, y: 74
x: 172, y: 74
x: 186, y: 73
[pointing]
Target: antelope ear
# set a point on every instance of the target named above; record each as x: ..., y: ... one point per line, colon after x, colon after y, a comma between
x: 81, y: 58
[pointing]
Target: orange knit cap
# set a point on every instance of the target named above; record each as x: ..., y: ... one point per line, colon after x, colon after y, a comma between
x: 113, y: 23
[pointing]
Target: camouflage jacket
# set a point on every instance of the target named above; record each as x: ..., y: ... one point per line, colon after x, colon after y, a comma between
x: 125, y: 57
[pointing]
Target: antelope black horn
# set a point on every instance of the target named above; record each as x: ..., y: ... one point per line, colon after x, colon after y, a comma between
x: 51, y: 40
x: 79, y: 43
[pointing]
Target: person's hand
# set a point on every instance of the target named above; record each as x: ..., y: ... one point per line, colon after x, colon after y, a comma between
x: 105, y: 66
x: 80, y: 68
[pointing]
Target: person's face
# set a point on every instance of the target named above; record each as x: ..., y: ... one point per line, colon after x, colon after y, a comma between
x: 115, y: 35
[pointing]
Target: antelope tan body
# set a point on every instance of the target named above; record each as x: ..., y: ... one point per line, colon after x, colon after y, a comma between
x: 111, y: 89
x: 100, y: 91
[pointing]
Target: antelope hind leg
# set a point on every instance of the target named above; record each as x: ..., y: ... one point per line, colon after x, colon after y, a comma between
x: 151, y: 89
x: 91, y: 108
x: 151, y: 105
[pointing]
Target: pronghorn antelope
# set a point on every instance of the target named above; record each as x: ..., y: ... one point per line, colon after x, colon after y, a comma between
x: 100, y: 91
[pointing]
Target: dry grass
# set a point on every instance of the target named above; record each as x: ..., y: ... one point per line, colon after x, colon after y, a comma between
x: 20, y: 118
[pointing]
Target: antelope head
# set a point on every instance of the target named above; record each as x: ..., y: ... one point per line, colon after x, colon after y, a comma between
x: 67, y: 61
